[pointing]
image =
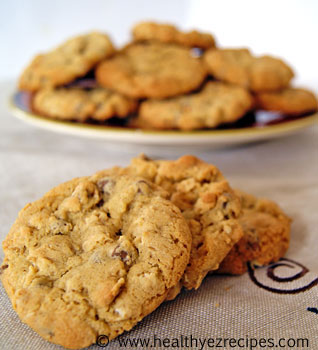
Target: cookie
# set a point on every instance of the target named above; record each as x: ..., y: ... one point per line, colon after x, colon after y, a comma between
x: 266, y: 235
x: 153, y: 70
x: 215, y: 104
x: 208, y: 204
x: 80, y: 104
x: 72, y: 59
x: 167, y: 33
x: 239, y: 66
x: 287, y: 101
x: 94, y: 256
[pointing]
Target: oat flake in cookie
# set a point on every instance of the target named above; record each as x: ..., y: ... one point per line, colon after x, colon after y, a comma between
x: 94, y: 256
x: 207, y: 202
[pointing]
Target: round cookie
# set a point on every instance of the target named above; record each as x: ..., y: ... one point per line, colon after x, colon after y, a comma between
x: 215, y: 104
x: 208, y: 204
x: 80, y: 104
x: 152, y: 70
x: 167, y: 33
x: 239, y: 66
x: 266, y: 235
x: 287, y: 101
x: 72, y: 59
x: 94, y: 256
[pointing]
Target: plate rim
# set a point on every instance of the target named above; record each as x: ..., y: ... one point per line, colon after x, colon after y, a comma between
x: 103, y: 131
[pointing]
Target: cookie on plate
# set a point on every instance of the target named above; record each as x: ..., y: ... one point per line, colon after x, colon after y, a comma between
x: 207, y: 202
x: 94, y: 256
x: 152, y: 70
x: 72, y: 59
x: 266, y: 235
x: 288, y: 101
x: 239, y: 66
x: 80, y: 104
x: 167, y: 33
x: 215, y: 104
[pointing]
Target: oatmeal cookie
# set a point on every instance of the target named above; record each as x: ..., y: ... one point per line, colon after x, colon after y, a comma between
x: 266, y: 235
x: 288, y: 101
x: 215, y: 104
x: 80, y: 104
x: 72, y: 59
x: 239, y: 66
x: 208, y: 204
x: 167, y: 33
x: 153, y: 70
x: 94, y: 256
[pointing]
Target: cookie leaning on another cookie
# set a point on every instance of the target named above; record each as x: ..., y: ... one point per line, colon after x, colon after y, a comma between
x: 94, y: 256
x: 266, y: 235
x: 167, y: 33
x: 288, y: 101
x: 79, y: 104
x: 215, y: 104
x: 153, y: 70
x: 72, y: 59
x: 239, y: 66
x: 206, y: 201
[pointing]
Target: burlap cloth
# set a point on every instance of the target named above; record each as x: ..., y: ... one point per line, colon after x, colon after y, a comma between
x: 286, y: 170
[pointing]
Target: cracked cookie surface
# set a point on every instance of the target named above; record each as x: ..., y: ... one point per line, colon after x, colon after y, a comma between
x: 215, y: 104
x: 239, y: 66
x: 288, y: 101
x: 207, y: 202
x: 154, y: 70
x: 80, y: 104
x: 72, y: 59
x: 94, y: 256
x: 266, y: 235
x: 167, y: 33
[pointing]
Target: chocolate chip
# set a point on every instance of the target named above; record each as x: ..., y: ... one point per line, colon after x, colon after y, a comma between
x: 119, y: 233
x: 122, y: 254
x: 100, y: 203
x: 3, y: 267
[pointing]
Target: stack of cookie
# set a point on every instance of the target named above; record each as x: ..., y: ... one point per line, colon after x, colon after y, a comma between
x: 97, y: 254
x: 163, y: 79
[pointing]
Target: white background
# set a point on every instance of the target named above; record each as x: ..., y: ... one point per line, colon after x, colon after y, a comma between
x: 286, y: 28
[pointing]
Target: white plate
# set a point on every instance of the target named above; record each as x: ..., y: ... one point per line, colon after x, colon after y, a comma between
x: 19, y: 105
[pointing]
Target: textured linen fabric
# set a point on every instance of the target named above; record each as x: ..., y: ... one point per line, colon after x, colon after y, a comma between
x: 285, y: 170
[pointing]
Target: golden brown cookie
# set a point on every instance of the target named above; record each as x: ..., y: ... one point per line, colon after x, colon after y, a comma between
x: 152, y: 70
x: 94, y: 256
x: 266, y: 235
x: 206, y: 201
x: 217, y: 103
x: 72, y: 59
x: 239, y: 66
x: 79, y: 104
x: 167, y: 33
x: 287, y: 101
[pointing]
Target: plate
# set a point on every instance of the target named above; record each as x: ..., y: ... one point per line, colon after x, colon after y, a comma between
x: 260, y: 125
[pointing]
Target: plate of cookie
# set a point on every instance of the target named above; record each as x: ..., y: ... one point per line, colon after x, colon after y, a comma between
x: 165, y: 87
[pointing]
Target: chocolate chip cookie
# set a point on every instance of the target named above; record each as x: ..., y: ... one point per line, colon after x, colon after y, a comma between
x: 217, y: 103
x: 207, y: 202
x: 266, y: 235
x: 288, y: 101
x: 153, y: 70
x: 167, y: 33
x: 239, y: 66
x: 94, y: 256
x: 72, y: 59
x: 80, y: 104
